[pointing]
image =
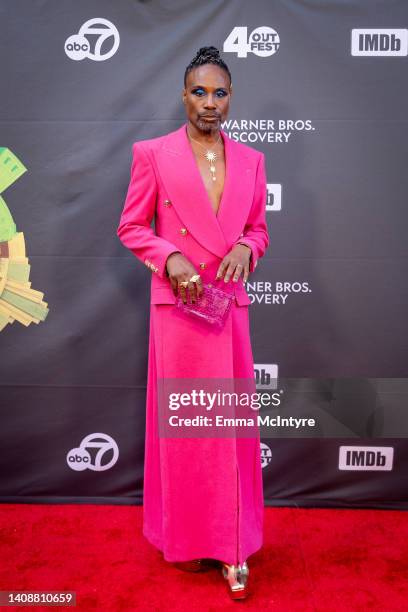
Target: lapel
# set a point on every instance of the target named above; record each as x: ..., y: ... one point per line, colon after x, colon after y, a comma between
x: 182, y: 179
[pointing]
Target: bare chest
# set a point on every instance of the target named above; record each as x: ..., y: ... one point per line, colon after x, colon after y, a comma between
x: 214, y: 188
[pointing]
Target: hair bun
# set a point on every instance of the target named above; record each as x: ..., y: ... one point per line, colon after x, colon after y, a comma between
x: 208, y: 52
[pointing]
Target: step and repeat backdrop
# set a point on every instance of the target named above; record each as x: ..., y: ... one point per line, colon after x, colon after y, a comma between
x: 321, y: 88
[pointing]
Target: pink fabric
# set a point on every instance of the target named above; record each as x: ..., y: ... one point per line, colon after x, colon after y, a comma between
x: 164, y: 169
x: 203, y: 497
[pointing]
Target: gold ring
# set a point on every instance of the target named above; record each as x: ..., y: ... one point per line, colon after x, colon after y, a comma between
x: 195, y: 278
x: 183, y: 284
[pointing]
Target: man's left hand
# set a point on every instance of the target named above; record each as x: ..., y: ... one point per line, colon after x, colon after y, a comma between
x: 234, y: 263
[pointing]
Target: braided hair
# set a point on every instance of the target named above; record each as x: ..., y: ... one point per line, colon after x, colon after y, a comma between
x: 206, y: 55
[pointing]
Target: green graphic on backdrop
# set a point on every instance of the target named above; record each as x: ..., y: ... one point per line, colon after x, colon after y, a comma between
x: 18, y: 301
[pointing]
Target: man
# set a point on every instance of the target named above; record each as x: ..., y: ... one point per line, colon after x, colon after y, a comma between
x: 203, y: 497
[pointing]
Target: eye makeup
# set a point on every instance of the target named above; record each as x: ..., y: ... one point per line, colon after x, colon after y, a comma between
x: 221, y: 91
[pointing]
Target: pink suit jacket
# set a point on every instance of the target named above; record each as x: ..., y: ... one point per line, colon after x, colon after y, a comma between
x: 166, y: 184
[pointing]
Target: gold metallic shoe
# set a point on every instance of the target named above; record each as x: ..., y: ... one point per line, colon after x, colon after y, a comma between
x: 237, y: 579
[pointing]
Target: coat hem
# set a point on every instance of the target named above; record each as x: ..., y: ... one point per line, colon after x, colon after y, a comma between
x: 200, y: 554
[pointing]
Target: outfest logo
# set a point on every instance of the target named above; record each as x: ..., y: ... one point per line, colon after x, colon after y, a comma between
x: 266, y: 455
x: 263, y: 41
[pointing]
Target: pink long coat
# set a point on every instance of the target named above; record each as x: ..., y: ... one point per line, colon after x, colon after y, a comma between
x: 203, y: 497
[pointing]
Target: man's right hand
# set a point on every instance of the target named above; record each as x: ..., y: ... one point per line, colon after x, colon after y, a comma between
x: 180, y: 269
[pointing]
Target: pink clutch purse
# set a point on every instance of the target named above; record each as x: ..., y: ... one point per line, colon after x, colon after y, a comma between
x: 212, y: 306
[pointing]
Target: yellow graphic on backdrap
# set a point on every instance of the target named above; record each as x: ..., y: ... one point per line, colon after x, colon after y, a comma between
x: 18, y: 302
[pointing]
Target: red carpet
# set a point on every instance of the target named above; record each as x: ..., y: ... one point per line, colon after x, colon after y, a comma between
x: 312, y: 559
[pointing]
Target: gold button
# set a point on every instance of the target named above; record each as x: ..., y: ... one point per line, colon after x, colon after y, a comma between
x: 183, y: 231
x: 203, y: 265
x: 167, y: 202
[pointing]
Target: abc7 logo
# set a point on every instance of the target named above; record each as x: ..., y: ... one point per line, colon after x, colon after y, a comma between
x: 80, y: 459
x: 77, y: 46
